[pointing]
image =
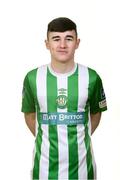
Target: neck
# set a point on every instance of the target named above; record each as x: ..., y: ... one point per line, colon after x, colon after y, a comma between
x: 62, y: 67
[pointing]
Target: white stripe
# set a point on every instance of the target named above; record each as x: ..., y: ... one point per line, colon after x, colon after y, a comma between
x: 89, y: 123
x: 42, y: 100
x: 83, y: 82
x: 62, y: 136
x: 62, y: 83
x: 41, y: 88
x: 63, y: 152
x: 44, y: 159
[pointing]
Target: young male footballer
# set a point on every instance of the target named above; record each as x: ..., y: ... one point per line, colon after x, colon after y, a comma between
x: 62, y: 103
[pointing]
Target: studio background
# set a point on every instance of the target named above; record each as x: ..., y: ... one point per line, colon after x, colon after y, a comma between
x: 23, y: 26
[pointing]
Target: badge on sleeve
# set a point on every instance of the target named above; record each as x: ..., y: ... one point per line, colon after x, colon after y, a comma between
x: 23, y: 92
x: 102, y: 93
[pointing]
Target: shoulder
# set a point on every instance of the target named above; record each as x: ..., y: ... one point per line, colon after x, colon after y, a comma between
x: 43, y: 68
x: 93, y: 76
x: 30, y: 77
x: 33, y: 73
x: 91, y: 72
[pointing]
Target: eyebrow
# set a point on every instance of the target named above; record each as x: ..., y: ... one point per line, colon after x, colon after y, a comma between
x: 54, y: 37
x: 68, y: 36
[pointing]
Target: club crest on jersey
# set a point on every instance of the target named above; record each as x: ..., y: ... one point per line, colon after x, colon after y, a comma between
x: 62, y: 98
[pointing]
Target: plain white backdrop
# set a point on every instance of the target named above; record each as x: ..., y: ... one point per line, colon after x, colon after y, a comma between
x: 23, y: 26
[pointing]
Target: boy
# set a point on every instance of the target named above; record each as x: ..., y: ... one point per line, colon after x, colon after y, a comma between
x: 62, y: 103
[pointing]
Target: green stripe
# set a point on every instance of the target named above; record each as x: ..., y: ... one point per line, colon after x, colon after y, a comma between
x: 38, y: 140
x: 37, y: 155
x: 87, y: 137
x: 72, y: 129
x: 53, y: 136
x: 90, y: 174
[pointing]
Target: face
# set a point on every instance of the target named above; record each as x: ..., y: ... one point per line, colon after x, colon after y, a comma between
x: 62, y: 45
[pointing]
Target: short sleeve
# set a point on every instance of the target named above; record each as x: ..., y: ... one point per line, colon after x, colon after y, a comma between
x: 28, y: 102
x: 98, y: 98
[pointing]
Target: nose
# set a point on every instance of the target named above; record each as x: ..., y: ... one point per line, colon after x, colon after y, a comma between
x: 62, y: 44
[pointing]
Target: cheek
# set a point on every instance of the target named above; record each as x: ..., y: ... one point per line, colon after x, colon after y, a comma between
x: 73, y: 48
x: 52, y: 47
x: 52, y: 50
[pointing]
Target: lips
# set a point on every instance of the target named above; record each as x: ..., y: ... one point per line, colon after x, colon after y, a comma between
x: 62, y: 52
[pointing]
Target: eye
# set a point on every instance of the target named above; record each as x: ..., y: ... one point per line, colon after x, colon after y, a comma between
x: 56, y: 39
x: 69, y: 39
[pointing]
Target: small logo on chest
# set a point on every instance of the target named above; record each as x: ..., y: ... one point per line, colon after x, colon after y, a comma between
x: 62, y: 98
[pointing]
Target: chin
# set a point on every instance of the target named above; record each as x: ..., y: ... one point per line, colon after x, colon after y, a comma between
x: 63, y: 61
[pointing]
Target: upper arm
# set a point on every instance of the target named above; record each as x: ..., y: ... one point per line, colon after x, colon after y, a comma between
x: 97, y: 97
x: 28, y: 100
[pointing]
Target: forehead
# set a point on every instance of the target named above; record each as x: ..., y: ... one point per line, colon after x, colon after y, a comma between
x: 62, y: 34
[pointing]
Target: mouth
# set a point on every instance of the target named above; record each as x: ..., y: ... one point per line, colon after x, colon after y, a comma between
x: 62, y: 52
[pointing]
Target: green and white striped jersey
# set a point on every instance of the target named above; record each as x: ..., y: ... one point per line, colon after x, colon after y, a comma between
x: 63, y: 103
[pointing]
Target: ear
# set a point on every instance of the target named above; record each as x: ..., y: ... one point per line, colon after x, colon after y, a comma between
x: 47, y: 44
x: 77, y: 43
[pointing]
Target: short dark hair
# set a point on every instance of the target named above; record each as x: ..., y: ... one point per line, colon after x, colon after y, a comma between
x: 61, y: 24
